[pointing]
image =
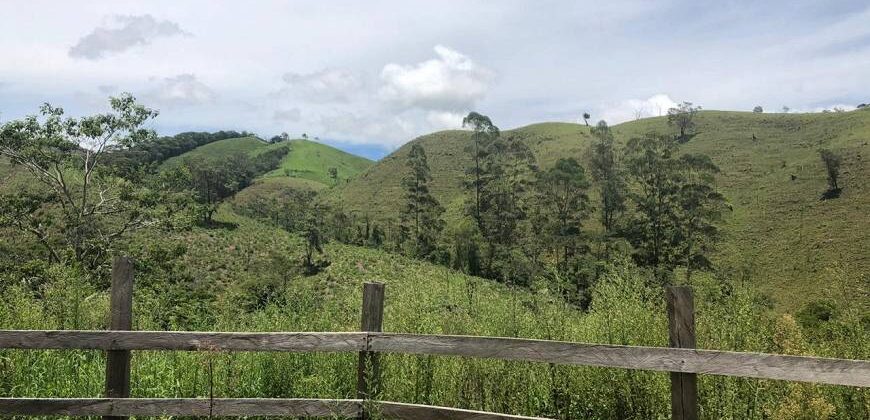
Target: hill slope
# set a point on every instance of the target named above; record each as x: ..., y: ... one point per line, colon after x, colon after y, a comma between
x: 304, y: 159
x: 311, y: 160
x: 780, y: 233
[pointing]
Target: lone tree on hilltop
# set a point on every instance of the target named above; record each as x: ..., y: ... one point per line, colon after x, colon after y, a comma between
x: 758, y: 109
x: 832, y: 167
x: 586, y: 118
x: 683, y: 117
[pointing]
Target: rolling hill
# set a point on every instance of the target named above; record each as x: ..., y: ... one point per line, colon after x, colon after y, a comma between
x: 780, y: 233
x: 304, y: 159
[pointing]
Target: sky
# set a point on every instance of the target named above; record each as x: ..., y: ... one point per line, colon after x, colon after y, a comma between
x: 369, y: 76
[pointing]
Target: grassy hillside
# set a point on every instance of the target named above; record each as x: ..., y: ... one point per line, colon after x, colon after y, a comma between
x: 304, y: 159
x: 779, y: 232
x: 311, y: 160
x: 243, y: 145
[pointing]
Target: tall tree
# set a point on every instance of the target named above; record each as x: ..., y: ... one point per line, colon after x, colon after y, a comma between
x: 606, y: 172
x: 676, y: 204
x: 562, y: 195
x: 508, y: 171
x: 484, y: 132
x: 683, y: 117
x: 421, y: 216
x: 586, y: 118
x: 78, y: 209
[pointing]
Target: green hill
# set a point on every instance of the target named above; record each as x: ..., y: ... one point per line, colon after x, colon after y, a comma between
x: 243, y: 145
x: 311, y: 160
x: 779, y: 232
x: 304, y: 159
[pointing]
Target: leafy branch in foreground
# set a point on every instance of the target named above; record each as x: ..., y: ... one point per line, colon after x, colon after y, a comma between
x: 77, y: 210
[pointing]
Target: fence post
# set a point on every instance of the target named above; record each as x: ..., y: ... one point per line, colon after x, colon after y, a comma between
x: 121, y: 318
x: 681, y: 330
x: 372, y: 320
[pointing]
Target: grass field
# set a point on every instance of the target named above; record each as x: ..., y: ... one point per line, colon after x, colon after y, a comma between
x: 779, y: 232
x: 305, y: 159
x: 311, y: 160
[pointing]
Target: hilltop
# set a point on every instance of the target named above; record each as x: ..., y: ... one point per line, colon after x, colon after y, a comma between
x: 304, y: 159
x: 779, y: 233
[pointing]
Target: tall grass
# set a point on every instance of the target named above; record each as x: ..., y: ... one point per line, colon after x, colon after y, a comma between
x: 422, y: 298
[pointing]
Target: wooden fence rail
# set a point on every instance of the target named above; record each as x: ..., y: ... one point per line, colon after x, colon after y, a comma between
x: 681, y: 359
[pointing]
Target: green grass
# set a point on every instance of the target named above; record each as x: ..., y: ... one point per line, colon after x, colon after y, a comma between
x: 779, y: 232
x: 218, y: 149
x: 311, y: 160
x: 305, y: 159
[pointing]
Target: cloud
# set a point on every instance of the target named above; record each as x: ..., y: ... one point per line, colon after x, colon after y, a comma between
x: 633, y: 109
x: 444, y: 119
x: 390, y: 131
x: 450, y: 82
x: 287, y: 115
x: 324, y: 86
x: 181, y: 90
x: 126, y: 32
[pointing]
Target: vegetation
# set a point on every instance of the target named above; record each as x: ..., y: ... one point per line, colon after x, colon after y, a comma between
x: 832, y: 168
x: 683, y: 117
x: 518, y: 207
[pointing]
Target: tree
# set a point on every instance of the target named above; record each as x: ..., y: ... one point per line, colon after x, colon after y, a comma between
x: 422, y: 213
x: 508, y: 174
x: 675, y: 203
x: 333, y: 174
x: 305, y: 136
x: 562, y: 196
x: 586, y: 118
x: 785, y: 109
x: 484, y: 132
x: 78, y: 209
x: 314, y: 240
x: 683, y: 117
x: 832, y: 167
x: 758, y: 109
x: 213, y: 180
x: 605, y: 171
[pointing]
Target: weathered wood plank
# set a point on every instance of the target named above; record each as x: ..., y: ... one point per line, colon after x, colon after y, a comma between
x: 190, y: 341
x: 368, y: 367
x: 292, y: 407
x: 393, y: 410
x: 120, y: 318
x: 681, y: 334
x: 749, y: 365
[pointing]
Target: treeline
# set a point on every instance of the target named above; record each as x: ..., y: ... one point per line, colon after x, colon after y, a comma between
x: 159, y: 149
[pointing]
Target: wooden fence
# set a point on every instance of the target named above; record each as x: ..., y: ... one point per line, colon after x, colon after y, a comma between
x: 682, y: 360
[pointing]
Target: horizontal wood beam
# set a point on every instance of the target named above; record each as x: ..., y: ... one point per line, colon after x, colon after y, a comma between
x: 748, y: 365
x: 181, y: 340
x: 393, y: 410
x: 290, y: 407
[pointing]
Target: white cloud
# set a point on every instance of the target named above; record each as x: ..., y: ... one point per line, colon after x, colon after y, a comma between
x: 444, y: 119
x: 632, y: 109
x: 390, y: 131
x: 130, y: 31
x: 450, y: 82
x: 181, y: 90
x: 324, y: 86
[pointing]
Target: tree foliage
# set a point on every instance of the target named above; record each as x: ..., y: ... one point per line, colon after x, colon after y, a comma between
x: 606, y: 172
x: 683, y: 117
x: 832, y: 163
x: 675, y: 204
x: 421, y: 216
x: 78, y: 209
